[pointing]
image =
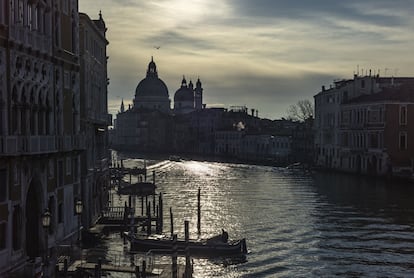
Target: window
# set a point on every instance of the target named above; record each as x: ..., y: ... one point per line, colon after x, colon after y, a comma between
x: 3, y: 235
x: 60, y: 173
x: 51, y: 169
x: 68, y: 166
x: 66, y: 80
x: 403, y: 140
x: 17, y: 228
x: 65, y: 6
x: 2, y: 9
x: 60, y: 213
x: 3, y: 185
x: 403, y: 115
x: 75, y: 169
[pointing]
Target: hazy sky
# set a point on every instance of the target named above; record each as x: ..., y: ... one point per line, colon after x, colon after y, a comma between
x: 265, y: 54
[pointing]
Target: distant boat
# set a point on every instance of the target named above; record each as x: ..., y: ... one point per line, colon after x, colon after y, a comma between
x: 139, y: 188
x: 212, y: 247
x: 175, y: 158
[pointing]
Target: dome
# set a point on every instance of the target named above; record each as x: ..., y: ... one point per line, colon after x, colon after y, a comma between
x: 151, y: 85
x: 184, y: 93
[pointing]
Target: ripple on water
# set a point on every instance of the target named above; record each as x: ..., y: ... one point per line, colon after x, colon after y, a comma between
x: 296, y: 225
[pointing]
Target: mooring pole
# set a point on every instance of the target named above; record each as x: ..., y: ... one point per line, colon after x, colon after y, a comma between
x: 161, y: 212
x: 142, y: 205
x: 149, y: 219
x: 171, y: 222
x: 199, y: 212
x: 153, y: 204
x: 174, y: 257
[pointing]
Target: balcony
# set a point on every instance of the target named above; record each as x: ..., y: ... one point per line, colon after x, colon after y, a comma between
x: 27, y: 145
x: 31, y: 38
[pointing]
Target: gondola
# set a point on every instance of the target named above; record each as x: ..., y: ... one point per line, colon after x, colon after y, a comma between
x: 213, y: 247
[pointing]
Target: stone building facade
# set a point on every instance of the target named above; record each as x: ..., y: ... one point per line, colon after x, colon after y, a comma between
x: 41, y: 140
x: 332, y: 113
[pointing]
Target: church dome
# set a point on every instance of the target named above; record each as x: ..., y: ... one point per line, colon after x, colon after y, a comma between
x: 151, y: 85
x: 185, y: 93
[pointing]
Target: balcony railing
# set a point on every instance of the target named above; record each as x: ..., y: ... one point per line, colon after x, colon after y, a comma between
x: 42, y: 144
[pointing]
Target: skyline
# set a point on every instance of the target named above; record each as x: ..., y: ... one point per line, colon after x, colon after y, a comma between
x: 263, y: 54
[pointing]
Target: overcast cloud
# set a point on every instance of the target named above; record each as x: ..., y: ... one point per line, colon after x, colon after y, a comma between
x: 265, y: 54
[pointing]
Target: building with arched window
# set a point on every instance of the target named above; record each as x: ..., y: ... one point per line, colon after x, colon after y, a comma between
x: 41, y: 139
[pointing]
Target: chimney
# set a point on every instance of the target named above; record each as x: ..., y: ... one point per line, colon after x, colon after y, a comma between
x: 252, y: 112
x: 323, y: 88
x: 257, y: 113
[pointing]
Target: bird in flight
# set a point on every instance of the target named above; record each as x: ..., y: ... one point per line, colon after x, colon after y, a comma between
x: 157, y: 47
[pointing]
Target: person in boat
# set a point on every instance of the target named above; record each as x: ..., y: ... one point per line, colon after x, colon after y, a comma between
x: 224, y: 236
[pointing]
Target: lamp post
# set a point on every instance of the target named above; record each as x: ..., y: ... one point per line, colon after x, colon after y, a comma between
x: 78, y: 209
x: 46, y: 224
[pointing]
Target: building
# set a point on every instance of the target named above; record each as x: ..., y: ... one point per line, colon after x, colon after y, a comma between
x: 94, y: 116
x: 41, y: 137
x: 328, y: 105
x: 375, y: 133
x: 148, y: 124
x: 40, y: 134
x: 151, y: 92
x: 187, y: 98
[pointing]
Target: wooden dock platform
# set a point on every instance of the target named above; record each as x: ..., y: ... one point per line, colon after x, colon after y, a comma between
x: 158, y: 270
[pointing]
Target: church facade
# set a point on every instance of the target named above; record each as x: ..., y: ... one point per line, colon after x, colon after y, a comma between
x: 147, y: 125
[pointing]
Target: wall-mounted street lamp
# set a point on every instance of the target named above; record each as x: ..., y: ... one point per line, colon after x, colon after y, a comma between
x: 78, y: 210
x: 46, y: 217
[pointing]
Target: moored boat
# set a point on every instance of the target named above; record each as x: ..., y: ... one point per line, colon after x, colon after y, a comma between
x: 139, y: 188
x: 201, y: 248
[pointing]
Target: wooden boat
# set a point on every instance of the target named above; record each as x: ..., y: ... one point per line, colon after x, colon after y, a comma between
x: 139, y: 188
x: 214, y: 247
x: 175, y: 158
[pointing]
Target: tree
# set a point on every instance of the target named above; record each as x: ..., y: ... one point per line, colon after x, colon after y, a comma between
x: 300, y: 111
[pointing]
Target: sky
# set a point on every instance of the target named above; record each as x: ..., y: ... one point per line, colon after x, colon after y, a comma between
x: 263, y: 54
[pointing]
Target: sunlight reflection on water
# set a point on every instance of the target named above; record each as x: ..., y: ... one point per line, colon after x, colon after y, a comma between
x: 295, y: 224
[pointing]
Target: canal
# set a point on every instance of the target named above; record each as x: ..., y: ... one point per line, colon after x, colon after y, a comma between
x: 296, y: 224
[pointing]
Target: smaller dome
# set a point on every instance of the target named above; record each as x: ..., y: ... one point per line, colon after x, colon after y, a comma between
x: 184, y: 93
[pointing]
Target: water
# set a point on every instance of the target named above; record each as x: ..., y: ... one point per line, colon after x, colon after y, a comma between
x: 296, y: 224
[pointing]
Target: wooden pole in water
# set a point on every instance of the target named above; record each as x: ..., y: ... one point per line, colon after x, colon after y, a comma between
x: 142, y: 205
x: 153, y: 203
x: 157, y: 224
x: 174, y: 257
x: 161, y: 212
x: 199, y: 212
x: 171, y: 222
x: 149, y: 219
x: 186, y: 230
x: 146, y: 202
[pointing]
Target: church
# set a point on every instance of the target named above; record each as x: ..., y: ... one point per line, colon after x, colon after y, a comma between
x: 149, y: 123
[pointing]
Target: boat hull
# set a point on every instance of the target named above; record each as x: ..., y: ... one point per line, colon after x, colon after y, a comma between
x: 194, y: 248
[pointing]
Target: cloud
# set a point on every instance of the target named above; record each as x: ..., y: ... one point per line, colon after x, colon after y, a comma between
x: 266, y: 54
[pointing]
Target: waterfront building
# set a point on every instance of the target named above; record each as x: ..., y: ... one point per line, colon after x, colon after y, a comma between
x: 94, y: 116
x: 376, y: 132
x: 328, y: 105
x: 41, y: 138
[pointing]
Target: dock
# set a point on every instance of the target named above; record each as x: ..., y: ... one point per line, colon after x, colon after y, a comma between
x: 158, y: 270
